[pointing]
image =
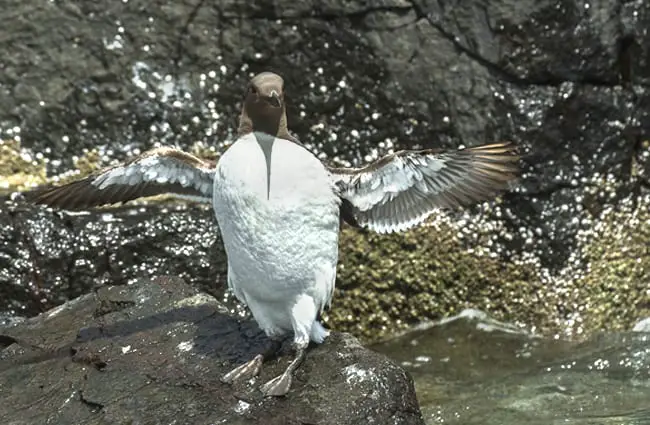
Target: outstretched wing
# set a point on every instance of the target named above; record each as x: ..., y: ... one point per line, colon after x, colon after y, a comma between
x: 155, y: 172
x: 401, y: 190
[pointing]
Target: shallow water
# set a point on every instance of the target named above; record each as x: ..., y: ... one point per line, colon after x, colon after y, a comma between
x: 474, y: 370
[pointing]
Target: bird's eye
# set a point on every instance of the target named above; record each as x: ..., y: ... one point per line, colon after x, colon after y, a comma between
x: 253, y: 90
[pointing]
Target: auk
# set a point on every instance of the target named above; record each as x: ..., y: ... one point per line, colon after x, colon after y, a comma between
x: 279, y: 209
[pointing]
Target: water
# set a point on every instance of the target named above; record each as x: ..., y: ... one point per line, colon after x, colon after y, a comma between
x: 474, y: 370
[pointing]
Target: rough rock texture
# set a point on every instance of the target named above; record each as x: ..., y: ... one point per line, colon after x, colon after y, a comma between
x: 85, y: 83
x: 57, y: 256
x: 153, y: 352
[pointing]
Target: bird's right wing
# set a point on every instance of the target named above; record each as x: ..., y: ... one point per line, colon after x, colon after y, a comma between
x: 401, y: 190
x: 155, y: 172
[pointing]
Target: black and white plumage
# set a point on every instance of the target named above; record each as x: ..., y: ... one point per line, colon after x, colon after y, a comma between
x: 155, y: 172
x: 279, y: 209
x: 401, y: 190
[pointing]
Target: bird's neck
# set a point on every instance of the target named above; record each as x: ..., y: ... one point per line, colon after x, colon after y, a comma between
x: 273, y: 126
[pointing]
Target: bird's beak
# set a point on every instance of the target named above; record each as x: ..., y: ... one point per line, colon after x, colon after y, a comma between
x: 274, y: 99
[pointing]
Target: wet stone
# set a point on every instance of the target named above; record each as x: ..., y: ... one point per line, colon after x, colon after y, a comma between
x: 48, y: 257
x: 158, y: 359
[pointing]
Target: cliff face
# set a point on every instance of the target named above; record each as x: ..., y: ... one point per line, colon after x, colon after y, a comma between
x: 86, y: 83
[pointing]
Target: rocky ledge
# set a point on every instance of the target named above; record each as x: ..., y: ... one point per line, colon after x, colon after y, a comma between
x: 153, y: 352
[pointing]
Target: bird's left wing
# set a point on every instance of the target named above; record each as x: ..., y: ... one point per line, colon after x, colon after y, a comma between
x: 155, y: 172
x: 401, y: 190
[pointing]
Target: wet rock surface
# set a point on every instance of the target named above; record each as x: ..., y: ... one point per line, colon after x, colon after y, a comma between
x: 50, y: 257
x: 153, y: 352
x: 567, y: 80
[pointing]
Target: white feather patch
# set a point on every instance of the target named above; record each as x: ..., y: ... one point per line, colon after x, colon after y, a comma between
x: 160, y: 170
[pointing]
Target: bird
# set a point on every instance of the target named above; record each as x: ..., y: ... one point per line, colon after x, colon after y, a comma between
x: 280, y: 209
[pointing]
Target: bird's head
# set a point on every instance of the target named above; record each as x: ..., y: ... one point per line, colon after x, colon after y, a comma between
x: 264, y: 108
x: 265, y: 97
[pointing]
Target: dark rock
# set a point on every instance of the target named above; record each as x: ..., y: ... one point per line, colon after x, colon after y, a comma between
x: 50, y: 257
x: 153, y: 352
x: 568, y: 80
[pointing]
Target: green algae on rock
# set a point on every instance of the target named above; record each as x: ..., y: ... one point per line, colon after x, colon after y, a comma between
x: 387, y: 283
x: 86, y: 164
x: 613, y: 288
x: 18, y: 169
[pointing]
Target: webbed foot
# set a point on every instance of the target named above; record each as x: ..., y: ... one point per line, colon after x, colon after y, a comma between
x: 246, y: 371
x: 278, y: 386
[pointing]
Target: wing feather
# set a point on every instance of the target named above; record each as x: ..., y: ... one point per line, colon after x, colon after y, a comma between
x: 401, y: 190
x: 158, y: 171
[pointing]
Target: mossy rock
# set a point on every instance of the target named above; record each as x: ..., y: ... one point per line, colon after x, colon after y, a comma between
x: 614, y: 290
x: 389, y: 282
x: 18, y: 170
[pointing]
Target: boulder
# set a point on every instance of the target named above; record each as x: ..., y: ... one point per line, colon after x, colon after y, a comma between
x: 153, y: 352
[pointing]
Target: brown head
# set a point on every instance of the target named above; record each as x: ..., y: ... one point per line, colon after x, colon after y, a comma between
x: 263, y: 109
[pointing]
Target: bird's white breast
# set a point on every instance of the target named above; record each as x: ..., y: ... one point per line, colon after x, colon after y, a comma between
x: 279, y: 220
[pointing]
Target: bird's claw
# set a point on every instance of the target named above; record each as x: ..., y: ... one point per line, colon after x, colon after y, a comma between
x: 278, y: 386
x: 248, y: 370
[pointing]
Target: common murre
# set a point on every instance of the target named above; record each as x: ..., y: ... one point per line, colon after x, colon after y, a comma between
x: 278, y: 208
